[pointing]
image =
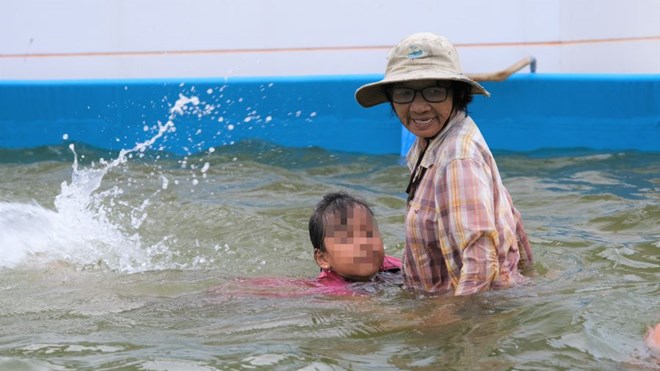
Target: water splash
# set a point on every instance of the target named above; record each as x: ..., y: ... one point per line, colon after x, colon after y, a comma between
x: 80, y: 231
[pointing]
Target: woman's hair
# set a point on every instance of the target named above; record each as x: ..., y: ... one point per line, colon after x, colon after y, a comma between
x: 461, y: 95
x: 336, y: 203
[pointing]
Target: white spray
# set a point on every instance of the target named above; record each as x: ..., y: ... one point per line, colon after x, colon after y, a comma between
x: 79, y: 231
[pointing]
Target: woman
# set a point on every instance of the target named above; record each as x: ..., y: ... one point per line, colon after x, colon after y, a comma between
x: 463, y: 234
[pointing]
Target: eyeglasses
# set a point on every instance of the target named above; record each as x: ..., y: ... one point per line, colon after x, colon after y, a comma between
x: 433, y: 94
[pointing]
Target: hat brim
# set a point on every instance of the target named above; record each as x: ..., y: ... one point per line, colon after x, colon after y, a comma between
x: 372, y: 94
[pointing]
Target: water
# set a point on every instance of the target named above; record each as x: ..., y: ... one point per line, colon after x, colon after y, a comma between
x: 112, y: 264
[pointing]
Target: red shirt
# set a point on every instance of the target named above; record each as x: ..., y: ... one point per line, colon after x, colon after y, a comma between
x: 328, y: 282
x: 336, y: 284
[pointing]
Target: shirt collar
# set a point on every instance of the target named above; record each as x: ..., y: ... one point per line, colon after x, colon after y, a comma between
x: 416, y: 149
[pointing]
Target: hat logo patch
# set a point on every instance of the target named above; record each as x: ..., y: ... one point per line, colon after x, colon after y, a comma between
x: 415, y: 52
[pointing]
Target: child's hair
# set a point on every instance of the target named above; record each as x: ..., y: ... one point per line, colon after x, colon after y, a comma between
x: 336, y: 203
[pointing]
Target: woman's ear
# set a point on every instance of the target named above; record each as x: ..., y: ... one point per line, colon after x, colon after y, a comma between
x: 321, y: 260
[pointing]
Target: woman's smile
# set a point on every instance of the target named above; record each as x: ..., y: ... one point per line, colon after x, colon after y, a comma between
x: 422, y: 122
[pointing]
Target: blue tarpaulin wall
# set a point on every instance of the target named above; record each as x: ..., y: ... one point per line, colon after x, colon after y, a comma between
x: 526, y: 112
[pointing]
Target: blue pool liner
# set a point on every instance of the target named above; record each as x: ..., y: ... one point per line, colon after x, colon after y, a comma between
x: 526, y: 112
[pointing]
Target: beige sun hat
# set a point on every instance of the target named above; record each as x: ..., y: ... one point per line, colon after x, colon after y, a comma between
x: 420, y: 56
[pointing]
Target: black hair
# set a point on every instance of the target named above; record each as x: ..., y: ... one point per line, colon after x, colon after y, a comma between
x: 335, y: 203
x: 462, y: 95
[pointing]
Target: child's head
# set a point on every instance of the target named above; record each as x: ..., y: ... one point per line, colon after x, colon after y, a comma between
x: 345, y: 237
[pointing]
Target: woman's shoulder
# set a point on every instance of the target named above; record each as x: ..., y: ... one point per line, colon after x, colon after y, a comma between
x: 464, y: 142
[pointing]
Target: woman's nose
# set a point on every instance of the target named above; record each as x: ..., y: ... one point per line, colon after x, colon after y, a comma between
x: 419, y: 103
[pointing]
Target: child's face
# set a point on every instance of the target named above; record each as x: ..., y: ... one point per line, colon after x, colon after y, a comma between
x: 354, y: 248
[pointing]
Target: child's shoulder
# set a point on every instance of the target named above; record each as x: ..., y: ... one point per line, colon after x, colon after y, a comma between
x: 390, y: 263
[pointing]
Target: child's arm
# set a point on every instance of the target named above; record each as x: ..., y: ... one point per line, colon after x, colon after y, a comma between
x: 653, y: 337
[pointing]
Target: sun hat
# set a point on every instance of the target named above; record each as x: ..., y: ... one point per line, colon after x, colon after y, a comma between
x: 420, y: 56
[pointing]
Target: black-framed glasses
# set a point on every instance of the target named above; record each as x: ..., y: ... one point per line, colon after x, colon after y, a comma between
x: 432, y: 94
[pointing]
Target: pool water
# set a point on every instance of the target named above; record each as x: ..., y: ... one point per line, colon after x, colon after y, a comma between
x: 144, y: 260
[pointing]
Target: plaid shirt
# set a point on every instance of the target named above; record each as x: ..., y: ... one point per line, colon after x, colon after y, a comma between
x: 463, y: 234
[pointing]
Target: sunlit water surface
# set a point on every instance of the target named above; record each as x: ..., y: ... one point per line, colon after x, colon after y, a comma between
x: 110, y: 260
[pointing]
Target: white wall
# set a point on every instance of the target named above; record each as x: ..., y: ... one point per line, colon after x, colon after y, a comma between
x: 63, y: 39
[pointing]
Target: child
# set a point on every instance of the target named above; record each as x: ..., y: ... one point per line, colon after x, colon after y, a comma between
x: 347, y: 247
x: 347, y: 244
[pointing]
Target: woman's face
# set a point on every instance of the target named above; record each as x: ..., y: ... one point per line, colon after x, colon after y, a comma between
x: 422, y: 118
